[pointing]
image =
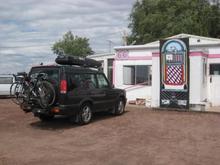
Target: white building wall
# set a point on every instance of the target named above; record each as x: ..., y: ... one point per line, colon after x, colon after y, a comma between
x: 140, y: 53
x: 155, y: 101
x: 215, y: 50
x: 196, y: 80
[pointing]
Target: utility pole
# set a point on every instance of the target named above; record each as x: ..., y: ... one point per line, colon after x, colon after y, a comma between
x: 110, y: 45
x: 124, y: 38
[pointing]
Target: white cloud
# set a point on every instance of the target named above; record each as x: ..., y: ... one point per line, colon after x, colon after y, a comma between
x: 8, y: 51
x: 30, y: 27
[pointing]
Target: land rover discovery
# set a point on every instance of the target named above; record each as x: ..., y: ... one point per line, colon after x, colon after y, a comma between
x: 80, y: 91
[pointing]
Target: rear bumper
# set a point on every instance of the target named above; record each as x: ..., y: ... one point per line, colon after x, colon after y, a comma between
x: 67, y: 110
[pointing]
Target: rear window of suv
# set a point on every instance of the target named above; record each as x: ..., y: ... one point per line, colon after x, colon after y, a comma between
x: 52, y: 72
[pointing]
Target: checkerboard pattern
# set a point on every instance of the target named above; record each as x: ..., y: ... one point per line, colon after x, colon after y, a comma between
x: 174, y: 75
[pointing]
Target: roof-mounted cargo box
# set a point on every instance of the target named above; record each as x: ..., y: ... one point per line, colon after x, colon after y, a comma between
x: 73, y: 60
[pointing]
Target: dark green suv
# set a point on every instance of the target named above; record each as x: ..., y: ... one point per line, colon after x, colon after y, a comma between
x: 80, y: 91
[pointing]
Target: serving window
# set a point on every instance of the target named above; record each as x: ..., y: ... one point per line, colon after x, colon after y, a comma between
x: 137, y: 74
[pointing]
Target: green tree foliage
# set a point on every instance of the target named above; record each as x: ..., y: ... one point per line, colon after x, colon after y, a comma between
x: 155, y: 19
x: 72, y: 45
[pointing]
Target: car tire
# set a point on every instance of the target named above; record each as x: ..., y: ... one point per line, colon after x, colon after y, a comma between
x: 120, y: 107
x: 45, y: 118
x: 85, y: 114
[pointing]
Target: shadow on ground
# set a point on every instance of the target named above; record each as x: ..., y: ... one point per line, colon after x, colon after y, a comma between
x: 63, y: 122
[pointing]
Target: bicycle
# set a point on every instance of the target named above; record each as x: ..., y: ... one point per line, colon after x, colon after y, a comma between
x: 17, y: 87
x: 33, y: 90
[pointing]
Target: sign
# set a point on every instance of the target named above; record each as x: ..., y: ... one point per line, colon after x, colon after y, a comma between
x: 122, y: 54
x: 174, y: 73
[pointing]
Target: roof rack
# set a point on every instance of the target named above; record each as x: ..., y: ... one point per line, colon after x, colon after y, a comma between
x: 74, y: 60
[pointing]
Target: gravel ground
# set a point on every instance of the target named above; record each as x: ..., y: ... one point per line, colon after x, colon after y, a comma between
x: 140, y: 136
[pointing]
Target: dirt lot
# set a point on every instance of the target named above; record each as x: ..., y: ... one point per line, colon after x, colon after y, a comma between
x: 140, y: 136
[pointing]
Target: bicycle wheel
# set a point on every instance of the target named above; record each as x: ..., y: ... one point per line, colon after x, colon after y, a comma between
x: 12, y: 92
x: 46, y: 94
x: 16, y: 93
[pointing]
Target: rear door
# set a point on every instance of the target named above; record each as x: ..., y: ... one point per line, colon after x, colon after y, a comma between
x: 53, y: 73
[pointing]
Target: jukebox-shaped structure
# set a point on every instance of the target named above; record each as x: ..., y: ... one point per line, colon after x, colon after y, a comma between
x: 174, y: 73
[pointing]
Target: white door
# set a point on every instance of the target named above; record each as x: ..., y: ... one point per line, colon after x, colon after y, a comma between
x: 215, y: 90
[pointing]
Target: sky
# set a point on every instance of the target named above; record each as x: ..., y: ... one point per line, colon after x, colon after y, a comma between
x: 28, y: 28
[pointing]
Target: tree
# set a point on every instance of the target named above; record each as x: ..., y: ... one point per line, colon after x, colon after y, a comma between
x: 72, y: 45
x: 151, y: 20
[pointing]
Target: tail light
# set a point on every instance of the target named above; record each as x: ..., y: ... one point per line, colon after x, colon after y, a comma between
x: 55, y: 110
x: 63, y: 86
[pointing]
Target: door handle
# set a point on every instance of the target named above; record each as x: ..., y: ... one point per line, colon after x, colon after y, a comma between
x: 98, y: 93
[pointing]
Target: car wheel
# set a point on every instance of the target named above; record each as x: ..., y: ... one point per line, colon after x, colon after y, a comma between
x: 85, y: 114
x: 45, y: 118
x: 120, y: 107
